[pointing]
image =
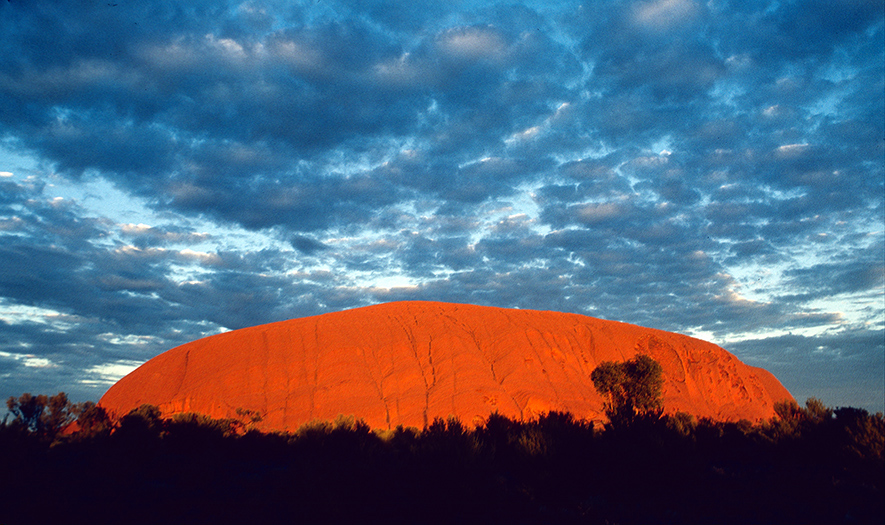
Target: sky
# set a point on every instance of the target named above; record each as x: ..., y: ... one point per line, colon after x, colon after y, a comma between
x: 172, y: 170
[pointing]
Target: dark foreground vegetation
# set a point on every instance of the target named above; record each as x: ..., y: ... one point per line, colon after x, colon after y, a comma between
x: 811, y: 464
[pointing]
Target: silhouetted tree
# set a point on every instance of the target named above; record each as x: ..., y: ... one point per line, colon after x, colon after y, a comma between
x: 864, y: 434
x: 93, y: 421
x: 645, y: 384
x: 45, y: 416
x: 634, y: 388
x: 61, y: 414
x: 140, y: 426
x: 28, y: 411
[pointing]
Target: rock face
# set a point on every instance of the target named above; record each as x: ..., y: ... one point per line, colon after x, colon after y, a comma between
x: 406, y: 363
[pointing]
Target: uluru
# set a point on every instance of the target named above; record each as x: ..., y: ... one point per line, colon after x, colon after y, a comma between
x: 407, y: 363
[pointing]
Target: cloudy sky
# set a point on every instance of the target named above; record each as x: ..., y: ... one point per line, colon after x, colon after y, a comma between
x: 170, y: 170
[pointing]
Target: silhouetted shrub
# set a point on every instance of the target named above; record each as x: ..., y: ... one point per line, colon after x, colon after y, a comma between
x: 45, y: 416
x: 810, y: 464
x: 93, y: 421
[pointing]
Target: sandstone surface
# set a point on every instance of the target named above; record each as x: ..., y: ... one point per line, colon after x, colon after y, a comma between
x: 406, y: 363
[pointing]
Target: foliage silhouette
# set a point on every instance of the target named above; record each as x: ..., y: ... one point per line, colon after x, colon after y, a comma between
x: 93, y: 421
x: 808, y: 464
x: 45, y: 416
x: 634, y: 389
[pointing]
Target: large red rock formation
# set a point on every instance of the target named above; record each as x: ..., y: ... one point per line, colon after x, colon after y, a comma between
x: 406, y: 363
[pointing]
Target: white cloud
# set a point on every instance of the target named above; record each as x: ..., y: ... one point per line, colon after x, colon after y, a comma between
x: 662, y: 15
x: 299, y: 55
x: 401, y: 71
x: 599, y: 212
x: 29, y: 360
x: 135, y: 251
x: 135, y: 228
x: 227, y: 47
x: 789, y: 151
x: 472, y: 43
x: 202, y: 257
x: 106, y: 374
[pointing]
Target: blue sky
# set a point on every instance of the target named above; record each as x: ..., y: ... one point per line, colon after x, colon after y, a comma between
x: 170, y: 170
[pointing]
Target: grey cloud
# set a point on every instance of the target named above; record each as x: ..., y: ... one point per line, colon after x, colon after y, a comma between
x: 53, y: 262
x: 32, y: 274
x: 818, y: 366
x: 421, y: 255
x: 307, y: 245
x: 864, y: 275
x: 144, y: 236
x: 229, y: 127
x: 14, y: 192
x: 497, y: 154
x: 298, y: 202
x: 800, y: 29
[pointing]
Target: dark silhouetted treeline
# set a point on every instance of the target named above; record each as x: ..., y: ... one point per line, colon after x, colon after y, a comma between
x: 811, y: 464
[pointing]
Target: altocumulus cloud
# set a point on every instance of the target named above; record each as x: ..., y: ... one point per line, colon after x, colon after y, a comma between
x: 170, y: 170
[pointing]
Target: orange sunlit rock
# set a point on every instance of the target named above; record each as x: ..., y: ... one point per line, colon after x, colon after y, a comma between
x: 407, y: 363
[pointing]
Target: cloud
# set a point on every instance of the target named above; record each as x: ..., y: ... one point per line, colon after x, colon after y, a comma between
x: 307, y: 245
x: 664, y: 14
x: 684, y: 165
x: 818, y: 366
x: 472, y: 44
